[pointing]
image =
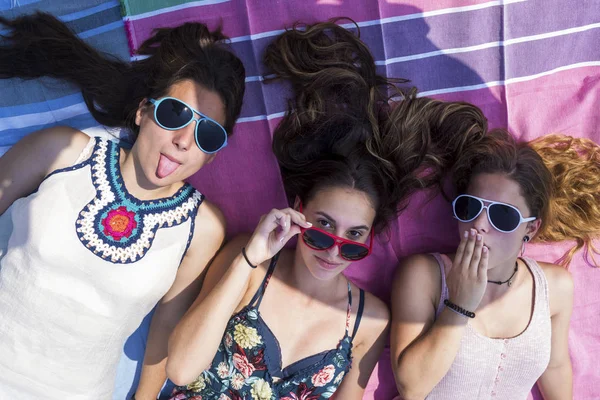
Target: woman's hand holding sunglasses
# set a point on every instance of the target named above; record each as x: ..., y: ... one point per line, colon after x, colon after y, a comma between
x: 272, y: 233
x: 467, y: 280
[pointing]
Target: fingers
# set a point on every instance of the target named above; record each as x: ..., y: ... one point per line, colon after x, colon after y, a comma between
x: 476, y: 257
x: 461, y: 248
x: 483, y: 263
x: 468, y: 253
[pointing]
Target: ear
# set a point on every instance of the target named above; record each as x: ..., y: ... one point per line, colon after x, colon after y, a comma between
x: 140, y: 111
x: 297, y: 203
x: 211, y: 158
x: 533, y: 227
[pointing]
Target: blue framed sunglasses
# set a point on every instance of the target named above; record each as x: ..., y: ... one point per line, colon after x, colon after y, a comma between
x: 173, y: 114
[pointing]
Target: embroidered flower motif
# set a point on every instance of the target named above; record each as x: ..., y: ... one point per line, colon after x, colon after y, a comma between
x: 338, y: 379
x: 241, y: 363
x: 179, y: 396
x: 303, y: 392
x: 238, y: 381
x: 223, y: 370
x: 195, y: 398
x: 323, y: 377
x: 261, y: 390
x: 119, y: 223
x: 228, y: 340
x: 223, y: 396
x: 246, y: 337
x: 198, y: 385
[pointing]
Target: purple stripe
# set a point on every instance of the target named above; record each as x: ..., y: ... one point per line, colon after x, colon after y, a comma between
x: 458, y: 70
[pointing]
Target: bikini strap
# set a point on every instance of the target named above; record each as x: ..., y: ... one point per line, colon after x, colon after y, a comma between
x: 258, y: 296
x: 349, y: 310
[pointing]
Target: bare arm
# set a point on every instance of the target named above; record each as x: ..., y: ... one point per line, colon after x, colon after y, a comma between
x: 556, y: 383
x: 368, y: 345
x: 423, y: 348
x: 24, y: 166
x: 208, y: 236
x: 195, y: 340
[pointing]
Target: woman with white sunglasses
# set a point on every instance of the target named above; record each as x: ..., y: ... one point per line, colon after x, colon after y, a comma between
x: 487, y: 322
x: 94, y: 234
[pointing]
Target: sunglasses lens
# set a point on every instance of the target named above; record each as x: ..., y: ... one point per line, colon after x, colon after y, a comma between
x: 210, y: 136
x: 317, y: 240
x: 354, y: 252
x: 466, y: 208
x: 503, y: 217
x: 173, y: 114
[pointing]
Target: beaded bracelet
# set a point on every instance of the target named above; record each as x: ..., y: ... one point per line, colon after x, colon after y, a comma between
x: 458, y: 309
x: 246, y: 258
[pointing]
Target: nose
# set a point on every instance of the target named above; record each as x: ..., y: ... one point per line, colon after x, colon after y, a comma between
x: 333, y: 251
x: 482, y: 223
x: 184, y: 138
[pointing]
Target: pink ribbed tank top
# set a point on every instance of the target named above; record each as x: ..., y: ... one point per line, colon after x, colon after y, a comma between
x: 498, y: 369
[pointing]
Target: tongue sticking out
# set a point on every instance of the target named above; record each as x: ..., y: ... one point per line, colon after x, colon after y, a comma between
x: 165, y: 167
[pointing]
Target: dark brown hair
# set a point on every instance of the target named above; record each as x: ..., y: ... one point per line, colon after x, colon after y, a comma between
x: 40, y: 45
x: 559, y: 177
x: 341, y: 128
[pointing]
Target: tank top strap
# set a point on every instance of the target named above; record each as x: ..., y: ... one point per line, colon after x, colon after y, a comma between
x: 359, y: 313
x: 258, y: 296
x: 542, y: 299
x: 444, y: 292
x: 87, y: 151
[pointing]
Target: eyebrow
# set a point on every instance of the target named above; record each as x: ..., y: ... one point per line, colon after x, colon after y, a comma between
x: 360, y: 227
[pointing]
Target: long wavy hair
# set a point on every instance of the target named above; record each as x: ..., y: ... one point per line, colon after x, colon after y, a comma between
x: 39, y: 45
x: 559, y: 177
x: 342, y: 127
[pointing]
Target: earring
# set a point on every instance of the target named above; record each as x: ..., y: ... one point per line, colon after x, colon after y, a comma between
x: 525, y: 240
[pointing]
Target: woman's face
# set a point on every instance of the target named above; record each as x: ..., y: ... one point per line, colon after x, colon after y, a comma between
x: 167, y: 157
x: 502, y: 246
x: 343, y: 212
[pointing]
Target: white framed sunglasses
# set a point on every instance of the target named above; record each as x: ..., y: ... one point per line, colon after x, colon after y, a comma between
x: 503, y: 217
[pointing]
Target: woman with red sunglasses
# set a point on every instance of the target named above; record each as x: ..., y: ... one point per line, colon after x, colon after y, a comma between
x: 487, y: 322
x: 85, y: 253
x: 284, y: 322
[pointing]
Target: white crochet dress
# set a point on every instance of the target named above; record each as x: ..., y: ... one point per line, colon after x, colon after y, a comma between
x: 81, y: 263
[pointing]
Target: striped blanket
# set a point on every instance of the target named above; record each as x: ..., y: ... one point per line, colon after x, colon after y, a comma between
x: 532, y: 66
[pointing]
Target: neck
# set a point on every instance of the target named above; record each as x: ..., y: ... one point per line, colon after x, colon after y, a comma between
x: 305, y: 282
x: 136, y: 182
x: 502, y: 272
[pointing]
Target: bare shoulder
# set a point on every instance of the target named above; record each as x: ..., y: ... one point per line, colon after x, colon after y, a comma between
x: 375, y: 318
x: 418, y: 271
x: 559, y: 278
x: 560, y: 284
x: 210, y: 219
x: 62, y: 142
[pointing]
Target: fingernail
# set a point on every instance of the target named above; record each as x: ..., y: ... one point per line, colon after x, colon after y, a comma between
x: 281, y: 240
x: 473, y: 232
x: 485, y: 249
x: 308, y: 223
x: 466, y: 234
x: 479, y: 238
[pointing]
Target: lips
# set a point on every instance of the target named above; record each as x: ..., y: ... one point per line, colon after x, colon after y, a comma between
x: 166, y: 166
x: 326, y: 264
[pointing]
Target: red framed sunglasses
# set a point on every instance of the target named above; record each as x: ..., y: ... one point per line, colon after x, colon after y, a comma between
x: 319, y: 239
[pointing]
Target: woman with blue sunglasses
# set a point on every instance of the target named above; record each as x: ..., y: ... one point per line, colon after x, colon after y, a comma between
x: 276, y: 322
x: 92, y: 234
x: 487, y: 322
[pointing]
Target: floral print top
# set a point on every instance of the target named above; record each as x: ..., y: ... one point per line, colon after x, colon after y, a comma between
x: 248, y: 362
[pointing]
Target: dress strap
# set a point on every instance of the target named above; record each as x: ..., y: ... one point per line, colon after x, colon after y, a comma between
x: 258, y: 296
x: 361, y: 307
x: 87, y: 151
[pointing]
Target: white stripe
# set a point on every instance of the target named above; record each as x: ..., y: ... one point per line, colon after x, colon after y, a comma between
x: 48, y: 117
x: 489, y: 45
x: 174, y: 8
x: 510, y: 80
x: 261, y: 117
x: 461, y: 88
x: 382, y: 21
